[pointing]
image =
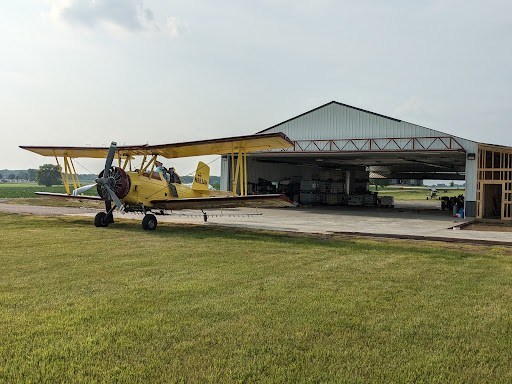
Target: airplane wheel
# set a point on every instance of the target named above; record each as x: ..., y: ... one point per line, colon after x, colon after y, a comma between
x: 101, y: 220
x: 149, y: 222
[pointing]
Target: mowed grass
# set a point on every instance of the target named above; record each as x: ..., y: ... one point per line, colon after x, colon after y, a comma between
x: 206, y: 304
x: 417, y: 194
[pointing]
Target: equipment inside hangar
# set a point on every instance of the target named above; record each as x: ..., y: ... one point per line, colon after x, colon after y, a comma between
x: 338, y: 148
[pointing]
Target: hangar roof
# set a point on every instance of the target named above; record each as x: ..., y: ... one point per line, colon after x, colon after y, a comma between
x: 336, y: 120
x: 336, y: 135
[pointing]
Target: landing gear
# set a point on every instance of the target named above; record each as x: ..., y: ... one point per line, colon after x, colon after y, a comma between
x: 101, y: 219
x: 205, y: 216
x: 149, y: 222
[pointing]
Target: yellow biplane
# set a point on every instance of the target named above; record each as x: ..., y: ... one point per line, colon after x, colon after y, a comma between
x: 150, y: 187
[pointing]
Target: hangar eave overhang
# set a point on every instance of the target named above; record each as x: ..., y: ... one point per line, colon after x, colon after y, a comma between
x: 438, y: 143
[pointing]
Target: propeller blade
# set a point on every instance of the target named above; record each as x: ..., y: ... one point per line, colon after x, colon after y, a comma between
x: 105, y: 180
x: 110, y: 158
x: 115, y: 199
x: 83, y: 189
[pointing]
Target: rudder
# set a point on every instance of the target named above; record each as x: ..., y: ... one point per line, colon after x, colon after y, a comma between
x: 201, y: 178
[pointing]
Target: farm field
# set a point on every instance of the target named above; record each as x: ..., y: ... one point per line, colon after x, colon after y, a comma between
x: 23, y: 193
x: 206, y: 304
x: 23, y: 190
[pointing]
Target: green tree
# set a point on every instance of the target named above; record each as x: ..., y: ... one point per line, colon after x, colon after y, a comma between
x: 452, y: 183
x: 1, y: 176
x: 48, y: 175
x: 12, y: 176
x: 32, y: 174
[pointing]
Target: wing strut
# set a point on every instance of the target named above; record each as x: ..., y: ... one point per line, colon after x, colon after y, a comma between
x: 239, y: 173
x: 68, y: 173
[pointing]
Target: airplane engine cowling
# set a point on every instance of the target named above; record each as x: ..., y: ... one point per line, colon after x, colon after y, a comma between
x: 117, y: 180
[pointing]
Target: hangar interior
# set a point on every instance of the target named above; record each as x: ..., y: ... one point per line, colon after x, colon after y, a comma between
x: 338, y: 148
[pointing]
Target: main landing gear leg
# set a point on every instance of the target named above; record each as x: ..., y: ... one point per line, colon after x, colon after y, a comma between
x: 110, y: 215
x: 103, y: 219
x: 149, y: 222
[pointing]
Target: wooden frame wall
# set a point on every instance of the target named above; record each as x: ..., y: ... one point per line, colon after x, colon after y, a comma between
x: 495, y: 167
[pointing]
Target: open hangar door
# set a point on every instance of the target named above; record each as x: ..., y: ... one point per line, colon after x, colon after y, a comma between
x: 344, y: 178
x: 311, y: 181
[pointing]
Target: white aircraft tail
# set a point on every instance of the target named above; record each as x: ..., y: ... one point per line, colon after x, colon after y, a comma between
x: 201, y: 178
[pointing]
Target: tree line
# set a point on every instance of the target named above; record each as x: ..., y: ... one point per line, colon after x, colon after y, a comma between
x: 47, y: 174
x: 29, y: 175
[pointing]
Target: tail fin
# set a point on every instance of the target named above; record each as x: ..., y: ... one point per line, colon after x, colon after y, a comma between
x: 201, y: 178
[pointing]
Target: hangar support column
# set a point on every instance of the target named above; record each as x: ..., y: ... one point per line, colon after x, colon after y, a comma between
x: 471, y: 181
x: 224, y: 173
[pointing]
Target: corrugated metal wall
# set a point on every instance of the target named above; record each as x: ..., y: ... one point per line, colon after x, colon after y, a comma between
x: 268, y: 171
x: 275, y: 172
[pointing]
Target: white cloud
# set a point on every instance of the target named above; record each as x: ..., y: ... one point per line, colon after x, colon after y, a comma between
x: 115, y: 16
x: 175, y: 26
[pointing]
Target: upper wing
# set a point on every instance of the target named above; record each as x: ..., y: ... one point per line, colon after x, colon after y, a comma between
x: 252, y: 201
x: 222, y: 146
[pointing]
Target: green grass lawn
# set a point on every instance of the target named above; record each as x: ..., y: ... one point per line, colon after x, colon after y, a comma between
x: 206, y: 304
x: 416, y: 194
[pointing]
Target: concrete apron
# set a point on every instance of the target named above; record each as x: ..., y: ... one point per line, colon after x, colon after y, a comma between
x: 398, y: 222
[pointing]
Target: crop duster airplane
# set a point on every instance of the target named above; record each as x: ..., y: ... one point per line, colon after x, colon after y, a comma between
x: 150, y: 187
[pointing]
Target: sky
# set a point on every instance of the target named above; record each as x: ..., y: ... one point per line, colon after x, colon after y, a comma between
x: 88, y: 72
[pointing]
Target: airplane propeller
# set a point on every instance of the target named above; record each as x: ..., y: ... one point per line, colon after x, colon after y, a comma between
x: 109, y: 181
x: 106, y: 181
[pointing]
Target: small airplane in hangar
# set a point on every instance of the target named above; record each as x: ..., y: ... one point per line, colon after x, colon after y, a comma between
x: 150, y: 187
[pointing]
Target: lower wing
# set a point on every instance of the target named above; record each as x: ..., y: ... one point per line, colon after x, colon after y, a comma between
x: 66, y: 196
x: 252, y: 201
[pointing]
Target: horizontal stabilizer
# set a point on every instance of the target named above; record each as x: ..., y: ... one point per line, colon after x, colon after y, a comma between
x: 252, y: 201
x: 66, y: 196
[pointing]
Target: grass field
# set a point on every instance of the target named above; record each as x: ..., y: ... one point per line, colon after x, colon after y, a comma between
x: 22, y: 190
x: 416, y: 194
x: 205, y: 304
x: 27, y: 190
x: 24, y: 193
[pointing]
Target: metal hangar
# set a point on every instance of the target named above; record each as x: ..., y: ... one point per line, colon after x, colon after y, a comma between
x: 338, y: 147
